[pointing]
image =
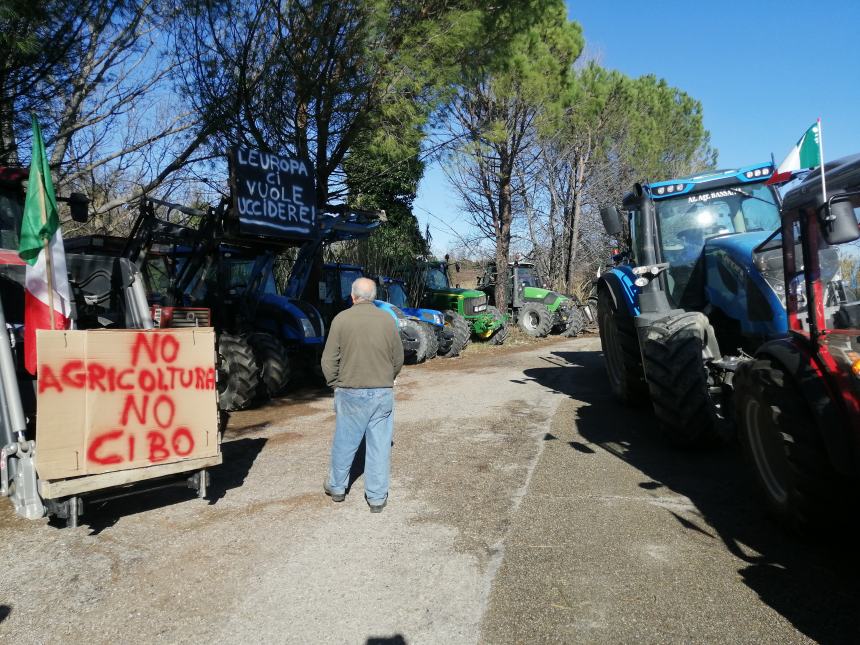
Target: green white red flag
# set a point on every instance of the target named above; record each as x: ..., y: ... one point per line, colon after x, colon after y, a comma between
x: 805, y: 154
x: 47, y: 304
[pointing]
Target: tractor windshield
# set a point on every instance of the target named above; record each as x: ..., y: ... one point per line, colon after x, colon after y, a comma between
x: 528, y: 277
x: 396, y: 294
x: 11, y: 212
x: 436, y: 278
x: 686, y: 222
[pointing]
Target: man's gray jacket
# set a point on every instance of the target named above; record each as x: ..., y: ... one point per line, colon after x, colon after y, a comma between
x: 363, y: 348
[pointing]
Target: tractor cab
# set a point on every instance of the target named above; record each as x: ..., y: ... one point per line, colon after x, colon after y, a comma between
x: 696, y: 243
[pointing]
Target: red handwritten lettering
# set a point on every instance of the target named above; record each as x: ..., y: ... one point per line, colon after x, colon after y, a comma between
x: 160, y: 403
x: 169, y: 355
x: 130, y: 405
x: 210, y: 378
x: 176, y: 442
x: 121, y: 383
x: 96, y: 444
x: 146, y: 381
x: 157, y: 346
x: 48, y: 380
x: 148, y: 342
x: 157, y: 448
x: 95, y: 374
x: 73, y: 374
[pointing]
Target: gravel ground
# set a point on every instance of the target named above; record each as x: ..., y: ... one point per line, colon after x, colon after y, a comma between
x: 526, y: 506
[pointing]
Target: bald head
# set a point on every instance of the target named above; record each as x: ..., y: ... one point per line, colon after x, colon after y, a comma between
x: 363, y: 290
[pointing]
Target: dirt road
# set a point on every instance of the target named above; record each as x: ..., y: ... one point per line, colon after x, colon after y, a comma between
x: 526, y: 506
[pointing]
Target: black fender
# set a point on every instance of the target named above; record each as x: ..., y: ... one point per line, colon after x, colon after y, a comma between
x: 812, y: 383
x: 612, y: 283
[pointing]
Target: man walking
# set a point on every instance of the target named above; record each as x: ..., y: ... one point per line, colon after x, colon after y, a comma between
x: 362, y: 357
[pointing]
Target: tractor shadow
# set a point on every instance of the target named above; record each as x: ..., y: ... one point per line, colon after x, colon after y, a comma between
x: 814, y: 586
x: 238, y: 458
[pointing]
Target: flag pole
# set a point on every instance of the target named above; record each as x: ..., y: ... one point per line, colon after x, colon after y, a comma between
x: 821, y: 155
x: 49, y: 264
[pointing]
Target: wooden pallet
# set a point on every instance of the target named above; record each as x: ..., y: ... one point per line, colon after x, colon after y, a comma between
x: 58, y: 488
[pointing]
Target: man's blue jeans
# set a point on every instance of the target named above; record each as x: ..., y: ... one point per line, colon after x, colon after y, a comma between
x: 363, y: 413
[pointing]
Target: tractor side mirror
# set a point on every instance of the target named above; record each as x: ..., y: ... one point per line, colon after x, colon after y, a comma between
x: 79, y: 207
x: 611, y: 219
x: 838, y: 222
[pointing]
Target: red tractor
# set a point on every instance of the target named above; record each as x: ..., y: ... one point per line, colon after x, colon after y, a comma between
x: 798, y: 401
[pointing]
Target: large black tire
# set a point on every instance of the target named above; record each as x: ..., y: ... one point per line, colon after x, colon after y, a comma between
x: 460, y: 329
x: 238, y: 373
x: 575, y: 321
x: 432, y: 340
x: 415, y: 331
x: 274, y: 363
x: 778, y: 436
x: 445, y: 336
x: 678, y: 380
x: 501, y: 334
x: 621, y: 352
x: 535, y: 319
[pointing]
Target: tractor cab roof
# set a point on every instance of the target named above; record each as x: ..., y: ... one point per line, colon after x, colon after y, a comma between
x: 706, y: 181
x: 342, y: 265
x: 384, y: 279
x: 841, y: 176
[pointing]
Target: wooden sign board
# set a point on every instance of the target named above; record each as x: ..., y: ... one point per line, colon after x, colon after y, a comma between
x: 112, y: 400
x: 273, y: 195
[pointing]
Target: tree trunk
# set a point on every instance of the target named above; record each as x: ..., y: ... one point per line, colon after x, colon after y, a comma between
x: 576, y: 213
x: 8, y: 142
x: 503, y: 241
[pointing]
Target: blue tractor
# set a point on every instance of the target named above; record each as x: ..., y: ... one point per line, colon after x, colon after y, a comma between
x: 441, y: 334
x: 419, y: 337
x: 700, y: 287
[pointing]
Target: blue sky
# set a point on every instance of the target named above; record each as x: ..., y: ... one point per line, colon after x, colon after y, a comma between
x: 764, y: 71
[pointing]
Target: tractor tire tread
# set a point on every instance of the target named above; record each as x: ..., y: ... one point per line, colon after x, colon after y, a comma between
x: 274, y: 363
x: 678, y: 379
x: 240, y: 371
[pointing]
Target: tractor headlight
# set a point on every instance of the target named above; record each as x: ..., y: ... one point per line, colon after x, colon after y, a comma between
x: 308, y: 328
x: 480, y: 308
x: 439, y: 318
x: 401, y: 322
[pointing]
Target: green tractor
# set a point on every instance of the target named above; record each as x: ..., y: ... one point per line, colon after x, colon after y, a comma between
x: 467, y: 309
x: 537, y: 310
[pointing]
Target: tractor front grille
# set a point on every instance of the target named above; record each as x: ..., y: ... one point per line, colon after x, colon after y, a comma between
x: 181, y: 316
x: 472, y: 306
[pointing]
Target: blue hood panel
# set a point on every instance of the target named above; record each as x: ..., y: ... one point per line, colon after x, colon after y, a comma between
x: 735, y: 286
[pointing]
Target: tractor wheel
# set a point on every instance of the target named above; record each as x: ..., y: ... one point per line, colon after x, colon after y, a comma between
x: 432, y: 340
x: 678, y: 379
x: 535, y: 319
x: 576, y: 321
x: 445, y: 336
x: 415, y: 331
x: 274, y: 363
x: 460, y: 329
x: 238, y: 373
x: 621, y: 352
x: 501, y: 335
x: 777, y: 432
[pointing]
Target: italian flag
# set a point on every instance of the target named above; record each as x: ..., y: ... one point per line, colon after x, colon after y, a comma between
x: 806, y: 154
x: 47, y: 304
